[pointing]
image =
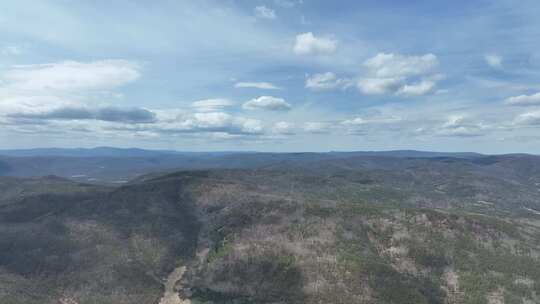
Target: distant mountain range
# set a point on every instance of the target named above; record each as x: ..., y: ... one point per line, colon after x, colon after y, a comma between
x: 118, y: 165
x: 137, y: 152
x: 99, y: 152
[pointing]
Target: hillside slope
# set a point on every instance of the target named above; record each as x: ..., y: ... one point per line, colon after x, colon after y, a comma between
x: 332, y: 233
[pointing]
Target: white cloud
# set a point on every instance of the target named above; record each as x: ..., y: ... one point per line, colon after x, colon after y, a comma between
x: 316, y: 127
x: 211, y: 105
x: 267, y: 103
x: 252, y: 126
x: 358, y: 121
x: 528, y: 118
x: 461, y: 132
x: 265, y: 12
x: 421, y: 88
x: 208, y: 122
x: 220, y: 121
x: 257, y: 85
x: 71, y: 75
x: 454, y: 121
x: 326, y: 81
x: 399, y: 74
x: 171, y: 122
x: 493, y: 60
x: 283, y: 127
x: 395, y: 65
x: 61, y: 97
x: 308, y: 44
x: 461, y: 126
x: 377, y: 86
x: 524, y: 100
x: 63, y: 89
x: 370, y: 124
x: 14, y: 103
x: 110, y: 114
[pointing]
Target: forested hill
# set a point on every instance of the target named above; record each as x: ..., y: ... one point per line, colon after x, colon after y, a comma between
x: 360, y: 229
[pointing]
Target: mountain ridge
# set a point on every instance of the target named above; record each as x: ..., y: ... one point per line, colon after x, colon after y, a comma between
x: 139, y: 152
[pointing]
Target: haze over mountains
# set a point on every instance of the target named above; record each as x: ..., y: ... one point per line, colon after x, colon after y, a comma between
x: 136, y: 152
x: 106, y: 164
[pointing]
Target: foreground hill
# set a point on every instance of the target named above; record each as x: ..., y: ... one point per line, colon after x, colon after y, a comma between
x: 354, y: 230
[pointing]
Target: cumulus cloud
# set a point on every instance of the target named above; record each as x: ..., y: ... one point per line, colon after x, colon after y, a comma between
x: 257, y: 85
x: 210, y: 122
x: 528, y: 118
x: 110, y: 114
x: 62, y: 91
x: 175, y: 122
x: 326, y: 81
x: 493, y: 60
x: 461, y: 126
x: 309, y: 44
x: 14, y: 103
x: 251, y: 126
x: 269, y: 103
x: 395, y: 65
x: 377, y: 86
x: 265, y: 12
x: 399, y: 74
x: 61, y: 96
x: 211, y: 105
x: 421, y: 88
x: 524, y: 100
x: 71, y: 75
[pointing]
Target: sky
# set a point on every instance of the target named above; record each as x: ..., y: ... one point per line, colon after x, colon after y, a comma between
x: 271, y: 75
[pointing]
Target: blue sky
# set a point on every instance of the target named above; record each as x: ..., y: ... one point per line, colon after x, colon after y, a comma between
x: 273, y: 75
